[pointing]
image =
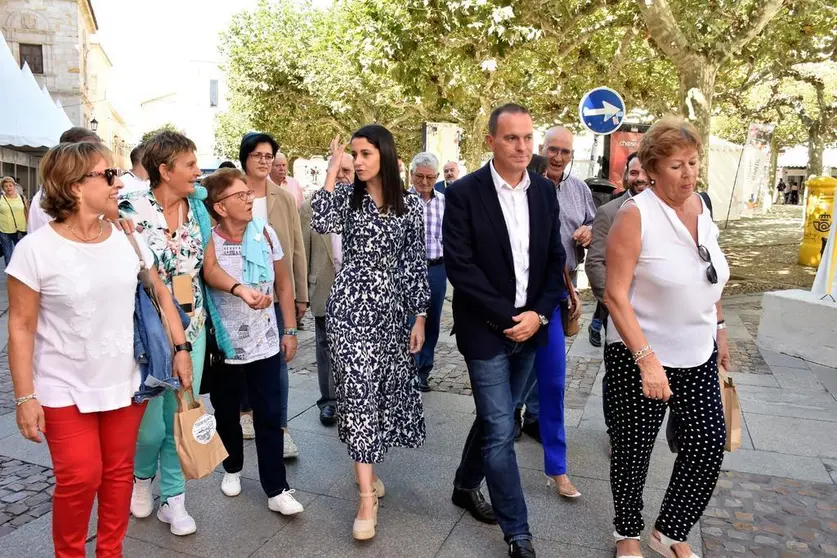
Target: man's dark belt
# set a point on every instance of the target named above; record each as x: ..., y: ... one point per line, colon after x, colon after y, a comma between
x: 435, y: 261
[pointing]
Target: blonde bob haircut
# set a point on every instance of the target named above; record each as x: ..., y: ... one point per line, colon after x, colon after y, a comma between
x: 664, y: 137
x: 6, y: 179
x: 62, y: 167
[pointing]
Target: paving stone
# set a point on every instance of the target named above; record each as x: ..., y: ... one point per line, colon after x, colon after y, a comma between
x: 780, y: 516
x: 24, y: 498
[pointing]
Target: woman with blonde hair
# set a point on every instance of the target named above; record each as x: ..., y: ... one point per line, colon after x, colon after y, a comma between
x: 665, y: 340
x: 13, y: 211
x: 72, y: 287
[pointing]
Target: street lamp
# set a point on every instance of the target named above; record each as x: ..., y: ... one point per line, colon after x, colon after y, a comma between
x: 94, y: 124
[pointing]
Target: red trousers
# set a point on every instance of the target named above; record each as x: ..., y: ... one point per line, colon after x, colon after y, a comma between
x: 92, y: 455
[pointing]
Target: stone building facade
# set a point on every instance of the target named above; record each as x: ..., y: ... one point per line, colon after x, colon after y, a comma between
x: 57, y: 39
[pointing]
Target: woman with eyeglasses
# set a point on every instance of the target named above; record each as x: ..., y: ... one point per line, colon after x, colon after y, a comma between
x: 171, y: 218
x: 277, y: 207
x: 665, y: 341
x: 250, y: 252
x: 72, y: 285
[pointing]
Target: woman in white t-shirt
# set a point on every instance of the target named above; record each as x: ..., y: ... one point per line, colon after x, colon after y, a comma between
x: 72, y: 288
x: 239, y: 247
x: 665, y: 277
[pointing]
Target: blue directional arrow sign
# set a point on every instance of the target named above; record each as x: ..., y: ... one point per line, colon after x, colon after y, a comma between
x: 602, y: 110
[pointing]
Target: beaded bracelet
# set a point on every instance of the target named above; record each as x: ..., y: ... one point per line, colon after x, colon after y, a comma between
x: 21, y: 400
x: 644, y: 352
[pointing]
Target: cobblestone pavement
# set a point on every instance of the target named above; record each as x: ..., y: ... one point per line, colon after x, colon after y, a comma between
x: 25, y: 493
x: 7, y: 392
x: 771, y: 517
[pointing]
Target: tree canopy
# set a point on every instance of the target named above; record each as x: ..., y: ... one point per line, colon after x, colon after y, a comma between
x: 305, y: 74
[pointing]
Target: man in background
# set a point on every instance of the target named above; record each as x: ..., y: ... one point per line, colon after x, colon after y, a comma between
x: 37, y: 216
x: 634, y: 181
x: 136, y: 179
x: 451, y: 174
x: 279, y: 176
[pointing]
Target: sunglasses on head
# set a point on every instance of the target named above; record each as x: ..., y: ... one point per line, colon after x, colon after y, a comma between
x: 711, y: 272
x: 109, y: 174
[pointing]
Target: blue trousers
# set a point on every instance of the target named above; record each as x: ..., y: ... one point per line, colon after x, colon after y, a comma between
x: 438, y: 279
x: 551, y: 374
x: 497, y: 384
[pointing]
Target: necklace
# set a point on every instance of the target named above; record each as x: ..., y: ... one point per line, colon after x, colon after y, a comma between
x: 75, y: 234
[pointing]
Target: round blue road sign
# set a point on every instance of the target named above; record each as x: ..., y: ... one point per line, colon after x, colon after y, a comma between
x: 602, y: 110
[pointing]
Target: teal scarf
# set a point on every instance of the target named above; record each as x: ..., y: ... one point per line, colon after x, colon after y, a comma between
x: 258, y: 263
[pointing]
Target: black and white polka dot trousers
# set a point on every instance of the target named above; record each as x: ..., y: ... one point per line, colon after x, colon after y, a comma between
x: 633, y: 423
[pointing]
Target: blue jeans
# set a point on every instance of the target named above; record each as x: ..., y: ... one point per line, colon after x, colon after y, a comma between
x: 283, y: 379
x: 497, y: 384
x: 438, y: 279
x: 7, y: 244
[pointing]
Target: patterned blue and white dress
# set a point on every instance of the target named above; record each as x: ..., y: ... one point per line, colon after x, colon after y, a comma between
x: 383, y: 281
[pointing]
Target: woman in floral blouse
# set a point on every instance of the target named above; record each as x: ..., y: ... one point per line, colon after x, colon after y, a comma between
x: 169, y: 220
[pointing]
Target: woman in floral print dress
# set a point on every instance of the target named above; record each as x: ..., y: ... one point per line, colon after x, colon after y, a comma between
x: 166, y: 215
x: 383, y: 281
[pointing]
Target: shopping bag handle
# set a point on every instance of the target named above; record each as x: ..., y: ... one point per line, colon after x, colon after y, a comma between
x: 182, y: 402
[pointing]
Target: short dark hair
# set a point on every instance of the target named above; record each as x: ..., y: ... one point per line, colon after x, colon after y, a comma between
x: 136, y: 154
x: 227, y: 165
x: 393, y: 191
x: 216, y: 184
x: 508, y: 108
x: 249, y: 143
x: 163, y: 149
x: 538, y: 164
x: 77, y: 134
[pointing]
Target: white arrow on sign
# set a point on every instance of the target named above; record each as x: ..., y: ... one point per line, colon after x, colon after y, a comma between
x: 607, y: 110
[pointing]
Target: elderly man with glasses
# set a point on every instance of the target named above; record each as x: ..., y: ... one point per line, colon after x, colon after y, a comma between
x: 424, y: 170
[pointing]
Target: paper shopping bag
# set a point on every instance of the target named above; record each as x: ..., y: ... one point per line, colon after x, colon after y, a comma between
x: 196, y: 437
x: 732, y: 411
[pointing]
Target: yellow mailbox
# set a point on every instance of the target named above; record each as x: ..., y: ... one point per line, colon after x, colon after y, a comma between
x: 819, y: 215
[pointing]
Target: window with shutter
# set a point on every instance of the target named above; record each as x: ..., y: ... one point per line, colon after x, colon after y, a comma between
x: 34, y: 56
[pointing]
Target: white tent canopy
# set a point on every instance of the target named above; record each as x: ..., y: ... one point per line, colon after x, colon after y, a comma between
x: 797, y: 157
x: 27, y: 119
x: 724, y: 157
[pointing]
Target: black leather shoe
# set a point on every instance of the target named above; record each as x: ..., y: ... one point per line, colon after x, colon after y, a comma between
x: 595, y: 336
x: 423, y: 386
x: 533, y: 429
x: 474, y: 502
x: 328, y: 415
x: 518, y: 424
x: 522, y: 549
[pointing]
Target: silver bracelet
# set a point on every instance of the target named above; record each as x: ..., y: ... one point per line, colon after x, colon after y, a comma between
x: 21, y: 400
x: 642, y: 353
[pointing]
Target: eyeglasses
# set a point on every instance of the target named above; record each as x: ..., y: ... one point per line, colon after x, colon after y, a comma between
x: 109, y: 174
x: 553, y: 151
x: 245, y: 197
x: 430, y: 177
x: 711, y: 272
x: 262, y: 156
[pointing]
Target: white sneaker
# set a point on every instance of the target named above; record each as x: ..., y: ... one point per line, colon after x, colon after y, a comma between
x: 231, y: 484
x: 285, y: 503
x: 142, y: 501
x: 247, y: 429
x: 291, y: 450
x: 174, y: 513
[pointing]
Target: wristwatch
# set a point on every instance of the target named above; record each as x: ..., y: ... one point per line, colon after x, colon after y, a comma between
x: 543, y: 319
x: 183, y: 347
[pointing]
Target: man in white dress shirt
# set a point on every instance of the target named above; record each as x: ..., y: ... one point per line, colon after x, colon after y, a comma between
x: 504, y: 258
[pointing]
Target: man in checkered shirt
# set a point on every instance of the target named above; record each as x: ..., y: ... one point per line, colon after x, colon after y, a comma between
x: 424, y: 170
